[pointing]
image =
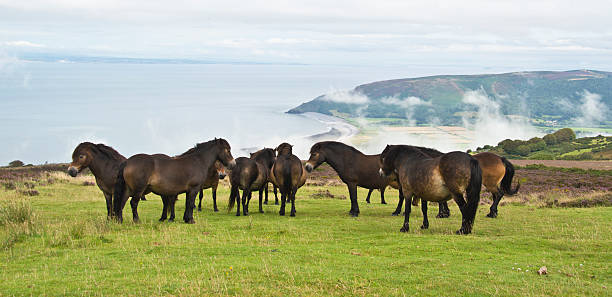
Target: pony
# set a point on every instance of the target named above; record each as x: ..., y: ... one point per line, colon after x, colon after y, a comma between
x: 169, y: 177
x: 454, y: 175
x: 251, y: 174
x: 288, y: 175
x: 354, y: 168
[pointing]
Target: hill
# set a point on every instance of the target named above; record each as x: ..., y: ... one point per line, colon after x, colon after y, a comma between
x: 560, y: 145
x: 548, y: 98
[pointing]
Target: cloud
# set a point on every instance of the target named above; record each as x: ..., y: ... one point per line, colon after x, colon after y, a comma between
x: 405, y: 102
x: 344, y: 96
x: 489, y: 125
x: 23, y: 43
x: 593, y: 110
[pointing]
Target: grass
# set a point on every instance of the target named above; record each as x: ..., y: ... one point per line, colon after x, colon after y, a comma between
x: 72, y: 250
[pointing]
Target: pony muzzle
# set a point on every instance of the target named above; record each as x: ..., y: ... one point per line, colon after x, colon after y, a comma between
x: 381, y: 172
x: 231, y: 164
x: 308, y: 167
x: 72, y: 171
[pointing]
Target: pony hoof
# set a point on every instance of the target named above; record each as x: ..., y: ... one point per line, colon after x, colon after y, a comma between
x: 265, y: 202
x: 404, y: 229
x: 281, y: 213
x: 368, y: 201
x: 216, y: 210
x: 424, y: 226
x: 136, y: 221
x: 261, y: 211
x: 199, y: 209
x: 384, y: 202
x: 442, y: 215
x: 191, y: 221
x: 275, y: 203
x: 462, y: 232
x: 492, y: 215
x: 395, y: 214
x: 354, y: 215
x: 292, y: 214
x: 162, y: 219
x: 170, y: 220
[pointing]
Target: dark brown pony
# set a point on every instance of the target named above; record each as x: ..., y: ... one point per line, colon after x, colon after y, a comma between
x: 288, y: 175
x: 250, y: 174
x: 450, y: 176
x: 217, y: 173
x: 169, y: 177
x: 354, y: 168
x: 103, y: 162
x: 497, y: 174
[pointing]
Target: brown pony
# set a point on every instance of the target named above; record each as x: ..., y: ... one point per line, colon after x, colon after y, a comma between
x: 288, y: 175
x: 450, y: 176
x: 354, y: 168
x: 218, y: 172
x: 103, y: 161
x: 497, y: 174
x: 169, y: 177
x: 250, y: 174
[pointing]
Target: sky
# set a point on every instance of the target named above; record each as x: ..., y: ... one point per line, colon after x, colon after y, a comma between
x: 523, y: 34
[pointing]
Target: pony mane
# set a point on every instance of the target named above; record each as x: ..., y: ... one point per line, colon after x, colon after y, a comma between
x: 203, y: 146
x: 110, y: 152
x: 430, y: 151
x: 333, y: 144
x: 103, y: 149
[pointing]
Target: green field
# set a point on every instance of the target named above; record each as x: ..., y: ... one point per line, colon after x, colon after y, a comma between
x: 66, y: 247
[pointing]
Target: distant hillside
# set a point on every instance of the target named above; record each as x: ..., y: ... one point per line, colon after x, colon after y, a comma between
x: 560, y: 145
x: 550, y: 97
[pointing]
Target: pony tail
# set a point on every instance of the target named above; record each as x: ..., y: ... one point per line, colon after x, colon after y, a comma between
x: 286, y: 186
x: 506, y: 183
x: 473, y: 189
x: 234, y: 195
x: 119, y: 190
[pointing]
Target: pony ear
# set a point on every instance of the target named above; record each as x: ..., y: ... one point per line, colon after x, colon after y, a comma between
x: 251, y: 154
x: 387, y: 146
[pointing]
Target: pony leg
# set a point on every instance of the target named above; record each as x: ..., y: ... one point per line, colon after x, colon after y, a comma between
x: 425, y: 219
x: 245, y: 195
x: 464, y: 214
x: 408, y: 206
x: 171, y: 203
x: 134, y: 205
x: 266, y: 194
x: 382, y: 196
x: 275, y: 195
x: 214, y: 195
x: 398, y: 209
x: 369, y: 193
x: 443, y: 210
x: 109, y: 205
x: 165, y: 201
x: 493, y: 210
x: 261, y: 192
x: 293, y: 192
x: 282, y: 207
x: 121, y: 204
x: 201, y: 196
x: 235, y: 196
x: 354, y: 204
x: 189, y: 206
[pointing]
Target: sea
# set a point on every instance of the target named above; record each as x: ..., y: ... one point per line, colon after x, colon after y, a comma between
x: 47, y: 108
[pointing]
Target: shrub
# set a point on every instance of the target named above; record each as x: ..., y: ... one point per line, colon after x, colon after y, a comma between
x: 16, y: 163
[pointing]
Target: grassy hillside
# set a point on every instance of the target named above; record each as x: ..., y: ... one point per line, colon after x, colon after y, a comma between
x: 548, y: 98
x: 59, y: 243
x: 560, y: 145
